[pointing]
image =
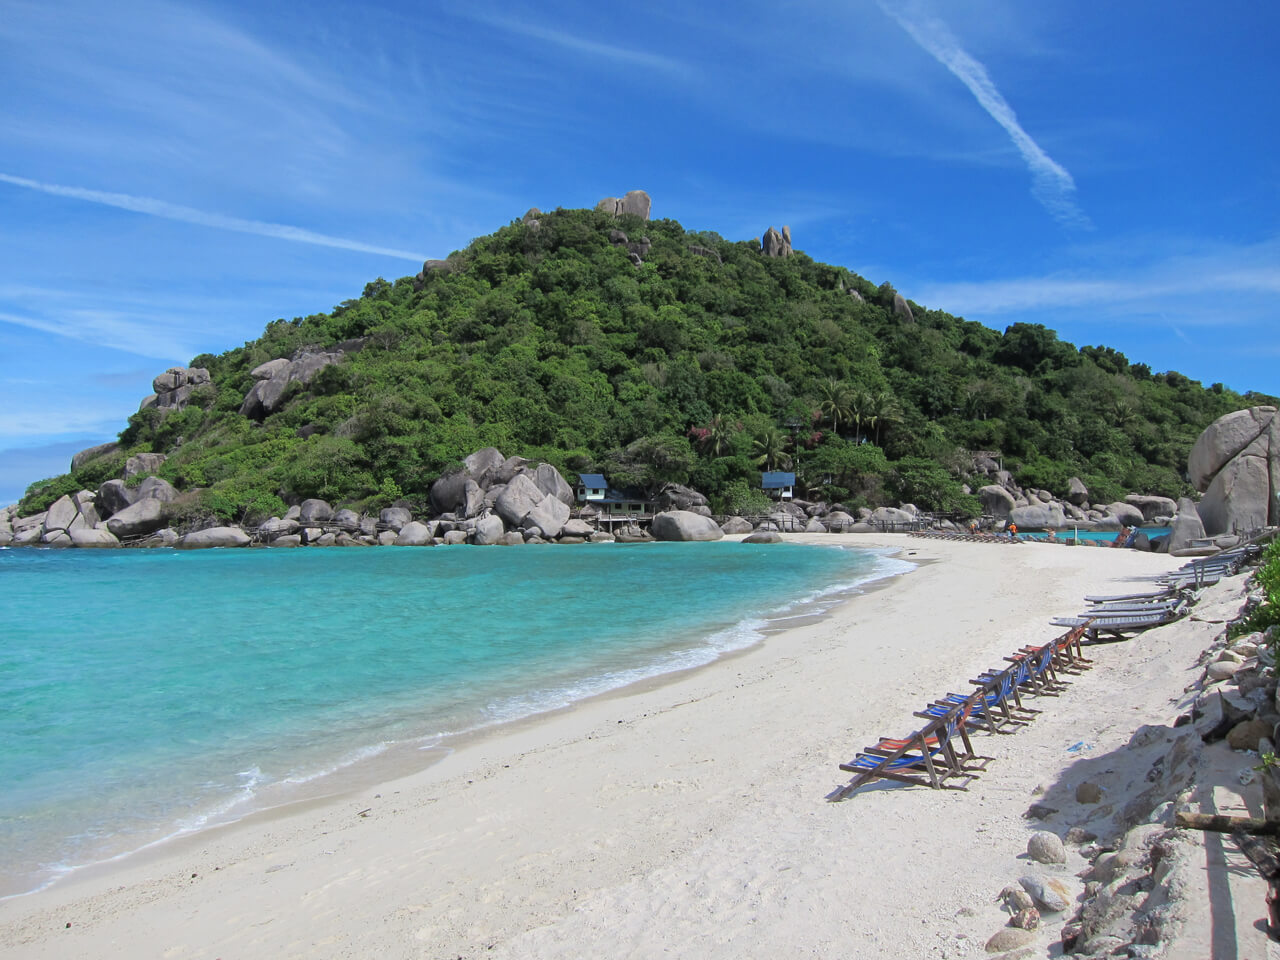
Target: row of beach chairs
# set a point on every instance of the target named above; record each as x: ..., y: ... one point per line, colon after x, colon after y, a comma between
x: 1126, y: 613
x: 940, y: 754
x: 966, y: 537
x: 1172, y: 597
x: 1206, y: 571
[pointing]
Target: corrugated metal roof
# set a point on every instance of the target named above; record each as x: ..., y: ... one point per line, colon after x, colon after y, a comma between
x: 774, y: 479
x: 624, y: 496
x: 593, y: 480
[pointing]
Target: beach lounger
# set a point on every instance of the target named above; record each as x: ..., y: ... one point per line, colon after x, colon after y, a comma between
x: 1150, y: 595
x: 1116, y: 624
x: 1137, y: 606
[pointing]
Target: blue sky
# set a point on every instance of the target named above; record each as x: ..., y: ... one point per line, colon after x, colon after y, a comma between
x: 175, y: 176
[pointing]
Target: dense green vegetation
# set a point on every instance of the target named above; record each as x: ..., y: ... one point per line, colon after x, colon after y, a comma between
x: 1268, y: 613
x: 548, y: 342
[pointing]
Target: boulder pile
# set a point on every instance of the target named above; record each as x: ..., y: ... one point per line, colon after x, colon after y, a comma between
x: 173, y: 389
x: 274, y: 376
x: 636, y: 202
x: 1236, y: 465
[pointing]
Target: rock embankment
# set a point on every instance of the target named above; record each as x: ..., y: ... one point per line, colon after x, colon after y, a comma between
x: 1108, y: 871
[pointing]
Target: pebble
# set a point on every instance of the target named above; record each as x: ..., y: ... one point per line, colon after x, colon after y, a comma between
x: 1016, y: 898
x: 1104, y: 945
x: 1040, y: 811
x: 1046, y: 847
x: 1222, y: 669
x: 1010, y: 938
x: 1246, y: 734
x: 1049, y: 893
x: 1027, y: 919
x: 1079, y: 835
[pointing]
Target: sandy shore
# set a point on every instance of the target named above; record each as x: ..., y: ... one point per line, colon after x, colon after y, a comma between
x: 684, y: 819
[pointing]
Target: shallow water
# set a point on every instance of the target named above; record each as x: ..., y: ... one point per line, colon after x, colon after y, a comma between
x: 1106, y: 536
x: 153, y: 692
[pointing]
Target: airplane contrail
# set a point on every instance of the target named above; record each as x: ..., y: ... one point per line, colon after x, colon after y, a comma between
x: 1053, y: 186
x: 173, y: 211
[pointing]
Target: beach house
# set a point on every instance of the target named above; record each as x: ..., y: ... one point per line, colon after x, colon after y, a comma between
x: 610, y: 506
x: 778, y: 484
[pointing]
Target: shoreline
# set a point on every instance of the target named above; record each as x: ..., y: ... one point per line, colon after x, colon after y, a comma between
x: 580, y: 746
x: 371, y: 764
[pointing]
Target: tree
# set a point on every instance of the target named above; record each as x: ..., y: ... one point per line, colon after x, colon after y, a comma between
x: 836, y: 403
x: 716, y: 438
x: 882, y: 408
x: 770, y: 448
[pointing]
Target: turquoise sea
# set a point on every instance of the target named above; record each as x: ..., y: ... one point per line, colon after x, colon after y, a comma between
x: 150, y: 693
x: 1105, y: 536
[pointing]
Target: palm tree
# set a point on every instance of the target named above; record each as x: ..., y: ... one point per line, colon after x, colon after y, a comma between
x: 770, y: 446
x: 883, y: 408
x: 716, y: 438
x: 860, y: 409
x: 1123, y: 412
x: 836, y: 403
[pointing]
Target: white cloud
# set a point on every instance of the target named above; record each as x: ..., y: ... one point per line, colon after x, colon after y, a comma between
x: 571, y: 41
x: 107, y: 329
x: 173, y: 211
x: 45, y: 421
x: 1052, y: 185
x: 1143, y: 289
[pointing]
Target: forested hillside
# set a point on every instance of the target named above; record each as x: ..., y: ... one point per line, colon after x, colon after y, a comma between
x: 703, y: 364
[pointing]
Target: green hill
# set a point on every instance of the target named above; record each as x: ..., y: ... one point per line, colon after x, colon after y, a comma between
x: 703, y: 364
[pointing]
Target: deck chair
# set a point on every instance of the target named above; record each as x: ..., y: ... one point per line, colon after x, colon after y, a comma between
x: 1069, y: 653
x: 1000, y: 689
x: 969, y: 758
x: 1014, y: 680
x: 925, y: 758
x: 1037, y: 671
x: 1137, y: 606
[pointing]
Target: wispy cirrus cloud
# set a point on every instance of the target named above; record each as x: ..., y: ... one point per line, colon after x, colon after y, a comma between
x: 1184, y: 279
x: 579, y: 44
x: 203, y: 218
x: 57, y: 421
x: 1052, y: 185
x: 107, y: 329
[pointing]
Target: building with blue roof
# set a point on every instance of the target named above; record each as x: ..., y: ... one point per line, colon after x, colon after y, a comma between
x: 591, y: 486
x: 610, y: 506
x: 779, y: 484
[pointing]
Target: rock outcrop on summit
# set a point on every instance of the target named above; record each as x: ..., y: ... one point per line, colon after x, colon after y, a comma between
x: 636, y: 202
x: 775, y: 244
x: 1236, y: 464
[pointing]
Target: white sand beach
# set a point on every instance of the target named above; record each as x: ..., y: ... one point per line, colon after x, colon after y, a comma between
x: 686, y: 818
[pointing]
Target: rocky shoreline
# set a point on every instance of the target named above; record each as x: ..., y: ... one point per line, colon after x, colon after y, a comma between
x: 496, y: 500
